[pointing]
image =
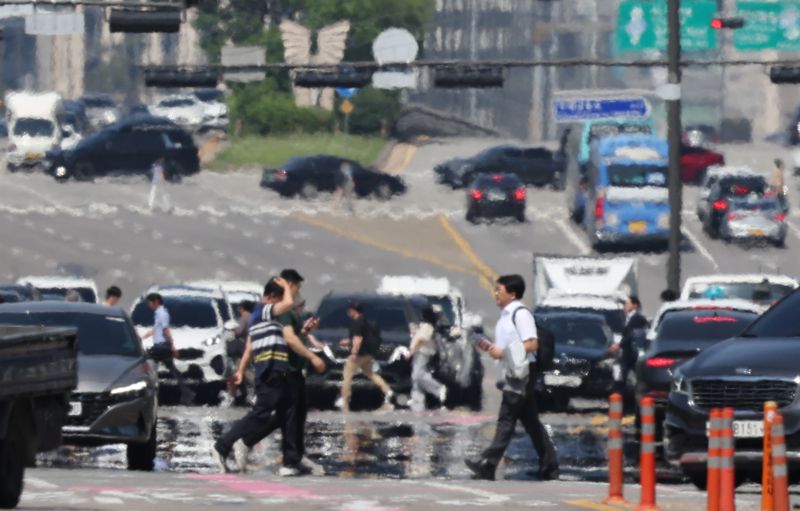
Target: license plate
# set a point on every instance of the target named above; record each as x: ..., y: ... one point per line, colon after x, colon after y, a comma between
x: 75, y: 409
x: 559, y: 380
x: 745, y: 429
x: 756, y: 232
x: 496, y: 197
x: 33, y: 156
x: 637, y: 227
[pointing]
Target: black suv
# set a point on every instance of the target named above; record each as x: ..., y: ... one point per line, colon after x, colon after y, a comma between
x: 128, y: 147
x: 532, y: 165
x: 759, y: 365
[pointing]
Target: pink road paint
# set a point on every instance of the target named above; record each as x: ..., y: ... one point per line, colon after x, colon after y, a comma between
x: 467, y: 420
x: 260, y: 488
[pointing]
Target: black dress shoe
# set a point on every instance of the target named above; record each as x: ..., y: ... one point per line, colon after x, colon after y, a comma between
x: 549, y: 474
x: 481, y: 469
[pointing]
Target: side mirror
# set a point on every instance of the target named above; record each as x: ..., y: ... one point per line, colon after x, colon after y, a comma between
x: 231, y: 325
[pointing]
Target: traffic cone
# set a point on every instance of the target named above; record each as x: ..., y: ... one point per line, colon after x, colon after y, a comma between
x: 647, y: 457
x: 727, y: 479
x: 767, y: 488
x: 712, y: 481
x: 779, y: 469
x: 615, y: 455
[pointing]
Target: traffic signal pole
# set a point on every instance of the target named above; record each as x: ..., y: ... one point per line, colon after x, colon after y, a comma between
x: 673, y: 103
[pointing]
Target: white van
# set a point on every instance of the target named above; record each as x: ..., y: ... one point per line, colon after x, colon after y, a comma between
x: 34, y: 127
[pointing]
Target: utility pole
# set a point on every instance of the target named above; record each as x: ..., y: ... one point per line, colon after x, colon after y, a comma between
x: 672, y: 95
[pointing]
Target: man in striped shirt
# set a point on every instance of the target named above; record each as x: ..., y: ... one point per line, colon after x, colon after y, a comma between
x: 269, y: 352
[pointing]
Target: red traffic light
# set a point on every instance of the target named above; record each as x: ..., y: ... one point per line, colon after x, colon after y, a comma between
x: 716, y: 23
x: 720, y: 23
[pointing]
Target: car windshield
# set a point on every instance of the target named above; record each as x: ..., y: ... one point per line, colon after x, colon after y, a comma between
x: 637, y: 175
x: 97, y: 334
x: 610, y: 130
x: 615, y: 319
x: 389, y: 314
x: 209, y: 95
x: 183, y: 313
x: 702, y: 325
x: 750, y: 291
x: 577, y: 331
x: 779, y: 321
x: 743, y: 187
x: 33, y: 127
x: 86, y: 293
x: 170, y: 103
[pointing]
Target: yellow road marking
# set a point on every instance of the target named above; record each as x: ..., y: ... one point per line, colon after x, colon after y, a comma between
x: 465, y: 247
x: 589, y: 504
x: 411, y: 150
x: 366, y: 240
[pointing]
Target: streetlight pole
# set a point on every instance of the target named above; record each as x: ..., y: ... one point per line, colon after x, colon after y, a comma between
x: 672, y: 95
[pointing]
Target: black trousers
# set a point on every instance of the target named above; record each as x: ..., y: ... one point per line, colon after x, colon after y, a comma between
x: 272, y: 399
x: 516, y: 407
x: 293, y: 423
x: 627, y: 363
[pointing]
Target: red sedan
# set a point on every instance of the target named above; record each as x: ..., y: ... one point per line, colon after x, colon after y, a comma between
x: 695, y: 161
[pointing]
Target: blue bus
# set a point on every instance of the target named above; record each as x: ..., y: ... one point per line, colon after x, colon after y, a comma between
x: 624, y: 191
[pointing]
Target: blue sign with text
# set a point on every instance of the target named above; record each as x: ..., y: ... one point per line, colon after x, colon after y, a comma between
x: 598, y: 108
x: 346, y: 92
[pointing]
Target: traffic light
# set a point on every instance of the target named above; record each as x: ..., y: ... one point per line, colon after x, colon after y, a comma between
x: 143, y: 22
x: 784, y: 74
x: 346, y: 78
x: 732, y: 23
x: 468, y: 76
x: 170, y: 76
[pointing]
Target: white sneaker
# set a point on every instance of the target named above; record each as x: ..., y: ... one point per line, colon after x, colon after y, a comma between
x: 341, y: 406
x: 312, y: 467
x: 299, y: 470
x: 241, y: 453
x: 388, y: 398
x: 220, y: 460
x: 443, y: 395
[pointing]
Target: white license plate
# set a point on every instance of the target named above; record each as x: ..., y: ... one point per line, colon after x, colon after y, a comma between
x: 559, y: 380
x: 75, y: 409
x: 745, y: 429
x: 496, y: 197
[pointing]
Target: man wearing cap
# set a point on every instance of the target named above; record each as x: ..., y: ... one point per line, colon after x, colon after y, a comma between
x: 361, y: 343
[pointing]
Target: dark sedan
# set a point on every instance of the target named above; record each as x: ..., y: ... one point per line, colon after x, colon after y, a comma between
x: 496, y: 195
x: 306, y: 176
x: 583, y: 367
x: 394, y: 315
x: 115, y: 401
x: 533, y: 165
x: 742, y: 373
x: 128, y: 147
x: 681, y: 335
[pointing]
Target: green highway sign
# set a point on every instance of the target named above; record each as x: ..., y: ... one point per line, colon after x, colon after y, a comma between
x: 768, y: 26
x: 642, y: 25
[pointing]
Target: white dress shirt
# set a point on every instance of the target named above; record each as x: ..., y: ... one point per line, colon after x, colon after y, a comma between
x: 505, y: 331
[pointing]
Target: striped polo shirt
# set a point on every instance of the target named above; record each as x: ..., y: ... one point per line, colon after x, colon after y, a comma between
x: 270, y: 351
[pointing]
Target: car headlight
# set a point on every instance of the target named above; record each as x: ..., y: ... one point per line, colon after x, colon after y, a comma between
x: 612, y: 219
x: 680, y: 385
x: 110, y: 116
x: 398, y: 354
x: 212, y: 341
x: 135, y: 388
x: 663, y: 220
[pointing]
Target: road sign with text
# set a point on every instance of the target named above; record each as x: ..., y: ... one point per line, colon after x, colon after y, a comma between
x: 642, y: 25
x: 768, y: 26
x: 581, y: 109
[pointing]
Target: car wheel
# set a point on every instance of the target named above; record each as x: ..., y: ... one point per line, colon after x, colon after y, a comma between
x: 308, y: 191
x: 83, y: 170
x: 471, y: 217
x: 780, y: 243
x: 11, y: 168
x: 142, y: 456
x: 176, y: 173
x: 577, y: 215
x: 520, y: 217
x: 383, y: 191
x: 12, y: 463
x: 698, y: 477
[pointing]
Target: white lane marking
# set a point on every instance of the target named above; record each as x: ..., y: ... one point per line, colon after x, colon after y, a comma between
x: 109, y: 501
x: 794, y: 229
x: 699, y: 246
x: 39, y: 484
x: 493, y: 498
x: 572, y: 237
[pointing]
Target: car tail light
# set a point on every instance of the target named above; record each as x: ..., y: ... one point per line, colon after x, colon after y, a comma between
x: 714, y: 319
x: 280, y: 175
x: 720, y: 205
x: 780, y: 217
x: 740, y: 190
x: 660, y: 362
x: 476, y: 194
x: 497, y: 178
x: 599, y: 204
x: 519, y: 194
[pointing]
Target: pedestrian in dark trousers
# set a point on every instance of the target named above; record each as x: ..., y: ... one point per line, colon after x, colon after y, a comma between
x: 270, y: 354
x: 293, y: 423
x: 636, y: 326
x: 516, y: 325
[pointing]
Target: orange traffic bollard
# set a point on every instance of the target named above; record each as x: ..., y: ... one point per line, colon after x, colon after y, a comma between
x: 647, y: 458
x: 615, y: 460
x: 727, y: 476
x: 767, y: 488
x: 779, y: 469
x: 712, y: 484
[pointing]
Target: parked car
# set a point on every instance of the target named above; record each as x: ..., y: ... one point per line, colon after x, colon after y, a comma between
x: 185, y: 110
x: 532, y: 165
x: 394, y: 316
x: 496, y: 195
x: 216, y: 111
x: 754, y: 218
x: 128, y: 147
x: 58, y: 286
x: 712, y: 176
x: 583, y: 367
x: 759, y: 288
x: 743, y: 373
x: 695, y: 160
x: 306, y: 176
x: 39, y: 370
x: 725, y: 190
x: 115, y: 401
x: 685, y: 329
x: 235, y: 291
x: 101, y: 110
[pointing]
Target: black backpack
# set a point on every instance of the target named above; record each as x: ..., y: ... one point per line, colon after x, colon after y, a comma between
x: 546, y: 349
